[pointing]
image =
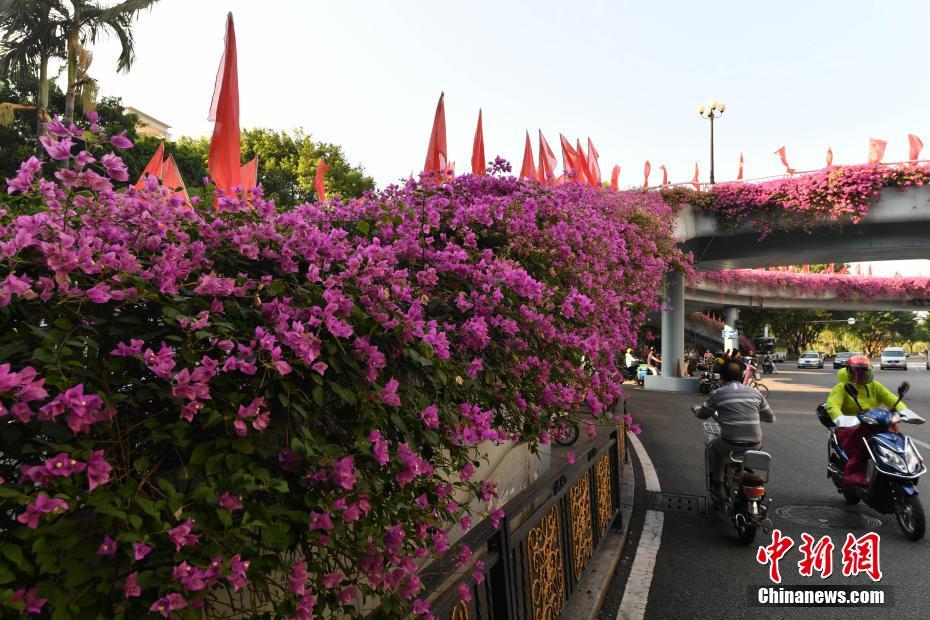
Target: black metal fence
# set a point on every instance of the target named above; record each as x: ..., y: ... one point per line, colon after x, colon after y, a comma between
x: 534, y: 561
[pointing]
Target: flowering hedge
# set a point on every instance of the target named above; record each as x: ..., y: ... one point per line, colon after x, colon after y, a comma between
x: 834, y: 194
x: 263, y: 410
x: 832, y: 286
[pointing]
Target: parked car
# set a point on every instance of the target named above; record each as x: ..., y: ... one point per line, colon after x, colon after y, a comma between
x: 810, y: 359
x: 841, y: 358
x: 893, y: 357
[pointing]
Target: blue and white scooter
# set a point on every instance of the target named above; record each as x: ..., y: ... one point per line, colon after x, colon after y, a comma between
x: 893, y: 468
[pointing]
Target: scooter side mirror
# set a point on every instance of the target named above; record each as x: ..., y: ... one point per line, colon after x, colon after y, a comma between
x: 903, y: 388
x: 851, y: 390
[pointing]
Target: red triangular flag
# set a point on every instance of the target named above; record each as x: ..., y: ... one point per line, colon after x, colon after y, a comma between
x: 477, y: 149
x: 547, y: 161
x: 436, y: 154
x: 569, y: 157
x: 528, y: 170
x: 582, y: 162
x: 224, y: 158
x: 915, y: 145
x: 805, y: 268
x: 870, y: 268
x: 249, y: 174
x: 664, y: 175
x: 153, y: 167
x: 784, y: 160
x: 695, y: 181
x: 318, y: 185
x: 594, y: 168
x: 646, y: 170
x: 739, y: 173
x: 829, y: 156
x: 171, y: 177
x: 876, y: 150
x: 615, y: 178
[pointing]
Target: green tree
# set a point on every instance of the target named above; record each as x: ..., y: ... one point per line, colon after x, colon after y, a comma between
x: 798, y: 329
x: 31, y: 38
x: 877, y: 330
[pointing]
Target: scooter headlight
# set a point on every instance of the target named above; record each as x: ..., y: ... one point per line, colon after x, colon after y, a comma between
x: 912, y: 459
x: 893, y: 458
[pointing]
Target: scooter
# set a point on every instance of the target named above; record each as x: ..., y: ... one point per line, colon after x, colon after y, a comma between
x: 709, y: 382
x: 641, y: 372
x: 629, y: 372
x: 893, y: 468
x: 744, y: 479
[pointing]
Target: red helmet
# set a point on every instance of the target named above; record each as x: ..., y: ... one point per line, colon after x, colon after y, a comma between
x: 860, y: 369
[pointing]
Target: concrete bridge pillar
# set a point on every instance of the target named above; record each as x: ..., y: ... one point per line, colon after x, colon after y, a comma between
x: 673, y: 339
x: 730, y: 316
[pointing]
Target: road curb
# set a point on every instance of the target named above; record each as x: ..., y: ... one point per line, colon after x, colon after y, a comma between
x: 592, y: 589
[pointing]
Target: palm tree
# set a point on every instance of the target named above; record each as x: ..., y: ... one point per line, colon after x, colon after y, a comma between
x: 31, y: 38
x: 84, y: 20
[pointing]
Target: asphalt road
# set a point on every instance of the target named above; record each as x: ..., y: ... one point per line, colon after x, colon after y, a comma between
x: 702, y: 572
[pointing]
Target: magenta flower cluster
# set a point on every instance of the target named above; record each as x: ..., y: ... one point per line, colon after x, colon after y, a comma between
x: 826, y: 286
x: 234, y: 395
x: 835, y: 194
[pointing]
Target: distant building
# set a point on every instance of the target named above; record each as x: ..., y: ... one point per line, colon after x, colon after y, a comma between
x: 149, y: 125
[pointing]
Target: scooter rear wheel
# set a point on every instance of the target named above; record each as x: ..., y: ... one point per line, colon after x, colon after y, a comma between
x: 746, y: 534
x: 911, y: 518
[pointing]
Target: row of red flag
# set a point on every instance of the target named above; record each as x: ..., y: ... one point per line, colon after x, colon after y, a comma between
x: 876, y: 152
x: 224, y: 161
x: 831, y: 268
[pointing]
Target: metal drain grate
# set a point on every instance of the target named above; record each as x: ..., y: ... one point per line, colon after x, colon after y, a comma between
x: 671, y: 502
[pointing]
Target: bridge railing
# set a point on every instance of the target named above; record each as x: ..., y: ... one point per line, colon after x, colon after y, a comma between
x: 534, y: 560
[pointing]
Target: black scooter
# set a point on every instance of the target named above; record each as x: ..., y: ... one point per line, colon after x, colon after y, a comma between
x: 893, y: 468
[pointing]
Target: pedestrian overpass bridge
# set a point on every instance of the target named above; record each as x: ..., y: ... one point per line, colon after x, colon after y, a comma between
x: 896, y: 227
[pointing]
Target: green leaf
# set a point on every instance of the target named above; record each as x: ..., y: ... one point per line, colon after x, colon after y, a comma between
x: 363, y: 227
x: 14, y: 554
x: 318, y: 395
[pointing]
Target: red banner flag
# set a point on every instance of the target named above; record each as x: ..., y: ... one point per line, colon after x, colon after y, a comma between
x: 843, y: 270
x: 437, y: 156
x: 594, y: 168
x: 582, y: 161
x: 528, y: 171
x: 876, y: 150
x: 646, y: 170
x: 664, y: 175
x: 171, y: 177
x: 547, y: 161
x: 615, y: 178
x: 829, y: 156
x: 695, y: 182
x: 739, y: 173
x: 477, y: 149
x: 318, y: 184
x: 805, y: 268
x: 915, y: 145
x: 153, y: 167
x: 569, y: 156
x: 223, y: 161
x: 784, y: 160
x: 249, y: 174
x: 870, y: 268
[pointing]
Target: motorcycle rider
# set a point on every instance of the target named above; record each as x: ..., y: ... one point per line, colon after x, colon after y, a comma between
x: 843, y: 411
x: 740, y: 411
x: 630, y: 359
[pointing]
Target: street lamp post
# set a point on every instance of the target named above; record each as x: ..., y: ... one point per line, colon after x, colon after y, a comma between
x: 711, y: 110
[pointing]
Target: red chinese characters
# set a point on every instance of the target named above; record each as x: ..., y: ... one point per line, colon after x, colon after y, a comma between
x: 817, y: 556
x: 860, y: 555
x: 774, y: 552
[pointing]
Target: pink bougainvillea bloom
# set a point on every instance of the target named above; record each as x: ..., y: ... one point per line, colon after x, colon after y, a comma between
x: 108, y: 547
x: 421, y: 607
x: 131, y: 587
x: 464, y: 591
x: 379, y: 447
x: 43, y: 504
x: 320, y: 521
x: 63, y: 465
x: 591, y: 430
x: 115, y: 167
x: 120, y: 141
x: 166, y: 604
x: 297, y: 582
x: 430, y: 417
x: 98, y: 470
x: 181, y: 535
x: 57, y: 149
x: 240, y: 427
x: 32, y: 604
x: 496, y: 515
x: 237, y: 573
x: 140, y: 550
x: 570, y: 457
x: 230, y: 502
x: 476, y: 366
x: 389, y: 395
x: 347, y: 595
x: 331, y: 580
x: 342, y: 473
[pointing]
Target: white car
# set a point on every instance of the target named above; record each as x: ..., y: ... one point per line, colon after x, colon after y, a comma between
x: 893, y: 357
x: 810, y: 359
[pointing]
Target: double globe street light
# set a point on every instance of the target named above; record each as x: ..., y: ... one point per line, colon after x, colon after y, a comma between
x: 711, y: 110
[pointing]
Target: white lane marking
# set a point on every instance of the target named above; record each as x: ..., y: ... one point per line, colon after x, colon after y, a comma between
x: 920, y: 443
x: 636, y: 594
x: 649, y: 472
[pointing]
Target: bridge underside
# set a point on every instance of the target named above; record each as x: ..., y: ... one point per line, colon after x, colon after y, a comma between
x: 871, y: 242
x: 697, y: 299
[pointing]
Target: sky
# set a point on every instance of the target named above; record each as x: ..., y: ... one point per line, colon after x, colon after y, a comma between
x: 366, y: 74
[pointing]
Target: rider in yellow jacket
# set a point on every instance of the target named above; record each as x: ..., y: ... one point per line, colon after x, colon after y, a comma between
x: 843, y: 410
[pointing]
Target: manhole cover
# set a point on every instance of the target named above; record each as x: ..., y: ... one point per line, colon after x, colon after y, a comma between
x: 670, y: 502
x: 828, y: 517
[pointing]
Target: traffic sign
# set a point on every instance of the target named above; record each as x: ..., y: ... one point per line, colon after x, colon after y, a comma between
x: 729, y: 334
